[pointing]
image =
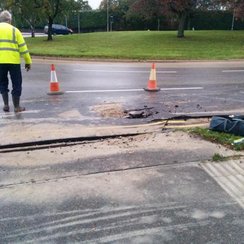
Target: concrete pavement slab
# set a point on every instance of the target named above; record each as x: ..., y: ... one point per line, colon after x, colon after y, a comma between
x: 177, y: 203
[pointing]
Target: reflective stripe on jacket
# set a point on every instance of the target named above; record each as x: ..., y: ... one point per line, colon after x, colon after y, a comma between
x: 12, y: 45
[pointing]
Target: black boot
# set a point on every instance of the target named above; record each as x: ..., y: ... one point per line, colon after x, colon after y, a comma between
x: 5, y: 101
x: 17, y: 107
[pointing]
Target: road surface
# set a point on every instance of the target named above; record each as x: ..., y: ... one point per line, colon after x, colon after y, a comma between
x: 155, y: 187
x: 92, y: 87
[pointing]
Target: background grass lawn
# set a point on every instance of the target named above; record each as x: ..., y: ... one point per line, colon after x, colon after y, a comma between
x: 144, y: 45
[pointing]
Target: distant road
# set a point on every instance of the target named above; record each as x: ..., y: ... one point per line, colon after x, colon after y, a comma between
x: 28, y: 34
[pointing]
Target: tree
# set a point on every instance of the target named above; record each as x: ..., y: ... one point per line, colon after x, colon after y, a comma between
x: 28, y: 10
x: 239, y: 9
x: 147, y: 9
x: 181, y: 9
x: 237, y: 6
x: 115, y: 11
x: 209, y: 4
x: 53, y: 8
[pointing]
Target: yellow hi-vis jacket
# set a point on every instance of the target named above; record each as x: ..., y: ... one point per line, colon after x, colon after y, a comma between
x: 12, y: 45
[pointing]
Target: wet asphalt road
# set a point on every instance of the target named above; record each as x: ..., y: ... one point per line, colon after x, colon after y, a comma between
x: 196, y: 88
x: 153, y: 188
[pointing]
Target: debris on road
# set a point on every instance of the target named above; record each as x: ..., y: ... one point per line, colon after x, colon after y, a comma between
x: 140, y: 113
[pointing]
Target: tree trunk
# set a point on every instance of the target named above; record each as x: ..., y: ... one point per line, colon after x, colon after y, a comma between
x: 32, y: 33
x: 49, y: 34
x: 31, y: 27
x: 181, y: 27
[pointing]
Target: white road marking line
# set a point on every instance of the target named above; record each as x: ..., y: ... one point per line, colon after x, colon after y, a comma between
x: 232, y: 181
x: 93, y: 91
x: 134, y: 90
x: 124, y: 71
x: 233, y: 71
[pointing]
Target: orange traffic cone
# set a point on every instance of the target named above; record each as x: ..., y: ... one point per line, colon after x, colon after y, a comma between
x: 54, y: 85
x: 152, y: 83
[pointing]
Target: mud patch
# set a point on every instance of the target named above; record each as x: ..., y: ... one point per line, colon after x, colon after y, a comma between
x: 115, y: 110
x: 109, y: 110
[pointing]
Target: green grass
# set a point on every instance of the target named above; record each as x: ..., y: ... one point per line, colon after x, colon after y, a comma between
x: 218, y: 158
x: 222, y: 138
x: 143, y: 45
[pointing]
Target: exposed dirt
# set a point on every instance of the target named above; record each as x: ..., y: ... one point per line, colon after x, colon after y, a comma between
x: 109, y: 110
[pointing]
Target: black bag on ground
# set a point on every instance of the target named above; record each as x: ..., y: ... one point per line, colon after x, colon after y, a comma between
x: 228, y: 124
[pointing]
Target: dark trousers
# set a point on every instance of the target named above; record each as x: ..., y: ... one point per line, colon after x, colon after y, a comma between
x: 16, y: 77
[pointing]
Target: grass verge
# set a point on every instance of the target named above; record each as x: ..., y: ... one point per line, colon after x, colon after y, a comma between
x: 143, y: 45
x: 218, y: 137
x: 220, y: 158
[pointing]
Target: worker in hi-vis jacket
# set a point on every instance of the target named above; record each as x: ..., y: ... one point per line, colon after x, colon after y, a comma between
x: 12, y: 48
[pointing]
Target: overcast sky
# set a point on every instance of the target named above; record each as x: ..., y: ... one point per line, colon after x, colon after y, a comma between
x: 94, y: 3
